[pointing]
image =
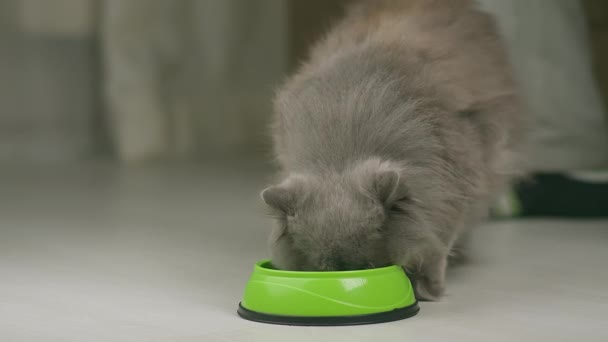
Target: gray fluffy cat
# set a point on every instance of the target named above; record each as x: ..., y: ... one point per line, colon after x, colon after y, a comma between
x: 393, y: 138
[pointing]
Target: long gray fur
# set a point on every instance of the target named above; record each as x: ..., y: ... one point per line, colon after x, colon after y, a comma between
x: 393, y: 138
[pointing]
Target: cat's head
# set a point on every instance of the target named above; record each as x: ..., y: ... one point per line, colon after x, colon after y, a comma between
x: 360, y: 218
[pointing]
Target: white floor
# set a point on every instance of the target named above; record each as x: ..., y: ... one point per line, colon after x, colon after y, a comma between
x: 101, y: 253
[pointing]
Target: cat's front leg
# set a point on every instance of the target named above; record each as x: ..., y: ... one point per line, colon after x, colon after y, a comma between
x: 429, y: 281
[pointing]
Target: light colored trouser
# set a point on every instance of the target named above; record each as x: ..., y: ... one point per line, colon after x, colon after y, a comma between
x: 550, y: 52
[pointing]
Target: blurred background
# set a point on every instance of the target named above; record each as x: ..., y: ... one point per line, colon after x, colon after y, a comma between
x: 142, y: 80
x: 133, y: 147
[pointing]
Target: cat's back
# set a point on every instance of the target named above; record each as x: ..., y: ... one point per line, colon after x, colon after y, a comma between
x: 446, y: 51
x: 415, y: 23
x: 458, y: 44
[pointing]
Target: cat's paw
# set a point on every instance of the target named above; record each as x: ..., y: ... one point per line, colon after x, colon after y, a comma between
x: 428, y: 289
x: 429, y: 282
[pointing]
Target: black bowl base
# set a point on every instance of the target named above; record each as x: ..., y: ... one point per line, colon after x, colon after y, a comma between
x: 380, y: 317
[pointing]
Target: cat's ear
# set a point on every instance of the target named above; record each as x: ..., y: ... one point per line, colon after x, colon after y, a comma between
x: 283, y: 197
x: 387, y: 187
x: 382, y: 180
x: 278, y: 197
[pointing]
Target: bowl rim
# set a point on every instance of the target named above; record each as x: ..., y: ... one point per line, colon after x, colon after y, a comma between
x: 261, y: 267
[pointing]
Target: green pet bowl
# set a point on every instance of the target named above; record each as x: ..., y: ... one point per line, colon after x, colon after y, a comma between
x: 327, y: 298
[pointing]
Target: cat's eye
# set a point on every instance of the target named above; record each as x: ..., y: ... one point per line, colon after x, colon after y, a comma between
x: 467, y: 114
x: 399, y: 207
